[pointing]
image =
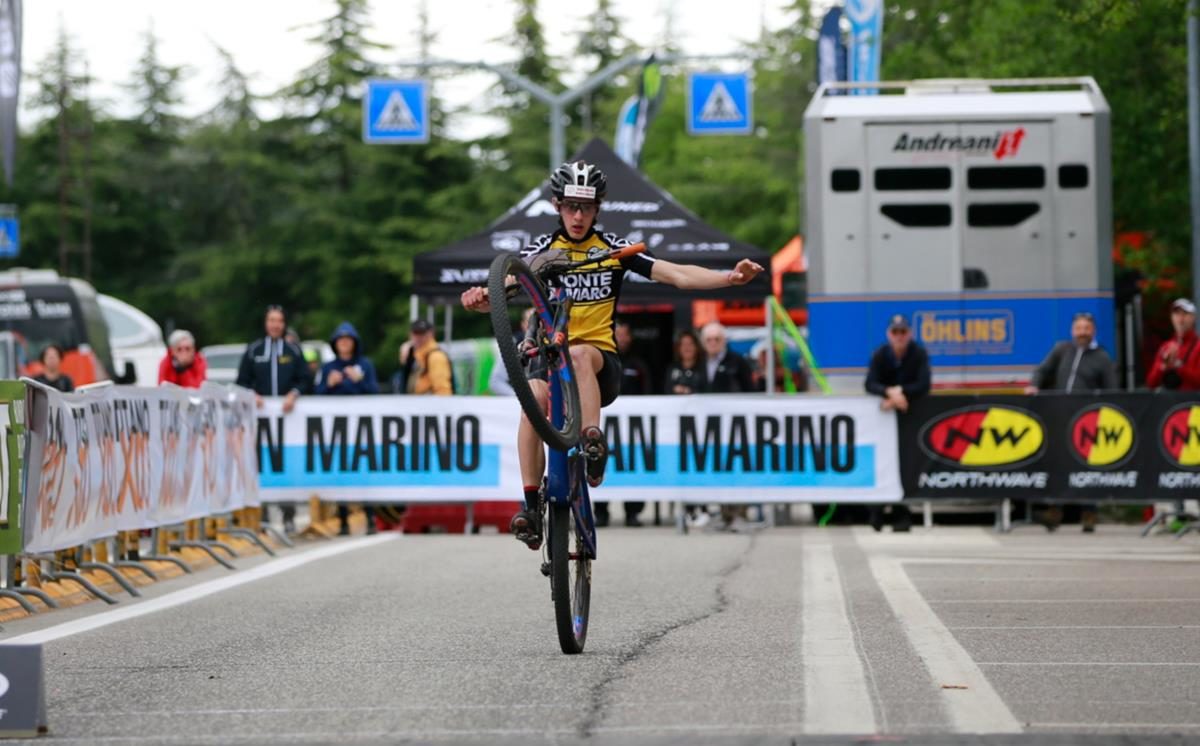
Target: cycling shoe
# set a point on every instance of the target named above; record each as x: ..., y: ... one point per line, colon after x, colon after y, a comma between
x: 526, y: 526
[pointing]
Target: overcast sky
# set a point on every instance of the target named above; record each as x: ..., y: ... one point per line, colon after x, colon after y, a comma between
x: 265, y: 40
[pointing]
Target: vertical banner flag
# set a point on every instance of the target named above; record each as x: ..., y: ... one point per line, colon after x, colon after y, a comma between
x: 831, y: 50
x: 637, y: 113
x: 866, y: 40
x: 10, y: 81
x: 623, y: 141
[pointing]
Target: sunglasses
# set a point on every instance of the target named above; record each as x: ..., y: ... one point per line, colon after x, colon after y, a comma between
x: 571, y: 206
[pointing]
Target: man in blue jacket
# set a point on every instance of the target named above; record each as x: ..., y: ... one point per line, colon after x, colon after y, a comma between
x: 348, y: 374
x: 272, y: 366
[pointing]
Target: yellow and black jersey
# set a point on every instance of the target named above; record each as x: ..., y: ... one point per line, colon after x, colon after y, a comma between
x: 595, y: 289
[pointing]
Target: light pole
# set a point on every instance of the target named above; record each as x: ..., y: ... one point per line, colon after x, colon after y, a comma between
x: 556, y: 101
x: 1193, y: 63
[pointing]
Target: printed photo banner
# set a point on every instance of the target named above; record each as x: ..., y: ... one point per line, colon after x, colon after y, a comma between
x: 123, y: 458
x: 703, y: 449
x: 1135, y: 446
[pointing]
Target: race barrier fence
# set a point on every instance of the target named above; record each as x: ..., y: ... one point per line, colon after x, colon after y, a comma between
x: 1129, y: 447
x: 715, y: 448
x: 101, y: 465
x: 78, y: 469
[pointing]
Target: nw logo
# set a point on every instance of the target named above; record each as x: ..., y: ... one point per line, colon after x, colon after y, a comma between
x: 1102, y: 436
x: 984, y: 436
x: 1180, y: 436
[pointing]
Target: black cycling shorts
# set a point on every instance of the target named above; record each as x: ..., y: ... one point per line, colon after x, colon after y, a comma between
x: 609, y: 376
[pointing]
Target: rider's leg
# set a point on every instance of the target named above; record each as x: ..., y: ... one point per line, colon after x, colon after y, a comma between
x: 531, y: 452
x: 587, y: 362
x: 526, y: 524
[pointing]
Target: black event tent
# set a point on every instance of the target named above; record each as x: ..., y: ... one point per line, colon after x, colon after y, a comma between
x: 635, y: 209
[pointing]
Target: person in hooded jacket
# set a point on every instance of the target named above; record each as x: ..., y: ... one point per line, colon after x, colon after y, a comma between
x: 350, y: 373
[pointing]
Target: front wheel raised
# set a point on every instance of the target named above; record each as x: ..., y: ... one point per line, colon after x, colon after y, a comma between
x: 524, y: 289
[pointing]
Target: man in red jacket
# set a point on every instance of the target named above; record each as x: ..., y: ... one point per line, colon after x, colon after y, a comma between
x: 1177, y: 364
x: 183, y: 365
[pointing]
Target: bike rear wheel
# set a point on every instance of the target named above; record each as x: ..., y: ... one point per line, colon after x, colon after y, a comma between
x: 570, y: 579
x: 556, y: 360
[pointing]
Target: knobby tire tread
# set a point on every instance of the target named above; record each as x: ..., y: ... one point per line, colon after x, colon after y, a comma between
x: 567, y: 436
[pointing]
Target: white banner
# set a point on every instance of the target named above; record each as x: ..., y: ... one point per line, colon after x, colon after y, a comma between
x: 122, y: 458
x: 743, y: 448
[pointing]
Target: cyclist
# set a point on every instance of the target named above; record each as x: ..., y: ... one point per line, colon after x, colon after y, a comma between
x: 577, y: 190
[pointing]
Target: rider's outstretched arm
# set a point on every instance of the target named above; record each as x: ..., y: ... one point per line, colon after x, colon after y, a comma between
x: 692, y: 277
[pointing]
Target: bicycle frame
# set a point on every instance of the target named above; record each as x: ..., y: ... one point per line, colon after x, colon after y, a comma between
x: 565, y: 482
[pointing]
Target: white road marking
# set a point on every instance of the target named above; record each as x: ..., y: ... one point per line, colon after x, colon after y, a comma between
x: 976, y: 708
x: 1079, y: 626
x: 1023, y: 601
x: 836, y: 696
x: 1134, y: 664
x: 187, y: 595
x: 943, y: 536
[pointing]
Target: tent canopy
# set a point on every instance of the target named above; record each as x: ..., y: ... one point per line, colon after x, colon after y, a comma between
x: 635, y: 209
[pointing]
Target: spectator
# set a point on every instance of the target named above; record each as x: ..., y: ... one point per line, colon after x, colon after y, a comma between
x: 272, y: 366
x: 312, y: 358
x: 348, y: 374
x: 1078, y: 365
x: 635, y: 374
x: 686, y: 374
x: 498, y: 382
x: 182, y: 365
x: 1177, y: 363
x: 52, y: 374
x: 635, y: 381
x: 725, y: 371
x: 899, y: 372
x: 426, y: 365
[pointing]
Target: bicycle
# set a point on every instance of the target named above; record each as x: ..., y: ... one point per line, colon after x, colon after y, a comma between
x: 565, y: 505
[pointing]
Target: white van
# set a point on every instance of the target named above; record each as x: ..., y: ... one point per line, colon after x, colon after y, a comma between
x: 135, y: 339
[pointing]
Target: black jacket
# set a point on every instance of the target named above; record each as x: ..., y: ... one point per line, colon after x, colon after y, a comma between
x: 690, y: 378
x: 1094, y: 370
x: 911, y: 374
x: 733, y: 376
x: 273, y: 367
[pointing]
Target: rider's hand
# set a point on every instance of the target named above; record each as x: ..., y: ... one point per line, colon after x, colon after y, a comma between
x: 745, y: 271
x: 476, y: 299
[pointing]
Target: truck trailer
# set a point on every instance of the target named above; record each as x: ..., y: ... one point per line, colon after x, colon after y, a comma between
x: 981, y: 210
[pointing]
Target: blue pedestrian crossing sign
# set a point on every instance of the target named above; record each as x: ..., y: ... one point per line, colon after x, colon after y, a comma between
x: 10, y: 237
x: 719, y: 104
x: 396, y: 112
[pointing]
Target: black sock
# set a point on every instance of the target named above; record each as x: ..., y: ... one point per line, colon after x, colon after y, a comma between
x: 531, y: 497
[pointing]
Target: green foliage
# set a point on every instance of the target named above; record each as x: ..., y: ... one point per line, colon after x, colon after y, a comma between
x: 203, y: 221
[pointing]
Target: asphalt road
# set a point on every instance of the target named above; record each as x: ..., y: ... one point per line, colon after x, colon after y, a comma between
x: 789, y: 633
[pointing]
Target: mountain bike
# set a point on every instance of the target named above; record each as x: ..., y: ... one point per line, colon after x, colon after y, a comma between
x: 565, y: 506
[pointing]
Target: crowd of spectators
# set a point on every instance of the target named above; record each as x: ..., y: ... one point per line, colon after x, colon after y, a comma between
x: 276, y: 365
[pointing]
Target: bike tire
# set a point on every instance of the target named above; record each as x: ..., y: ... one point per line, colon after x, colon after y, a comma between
x: 561, y: 438
x: 570, y: 579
